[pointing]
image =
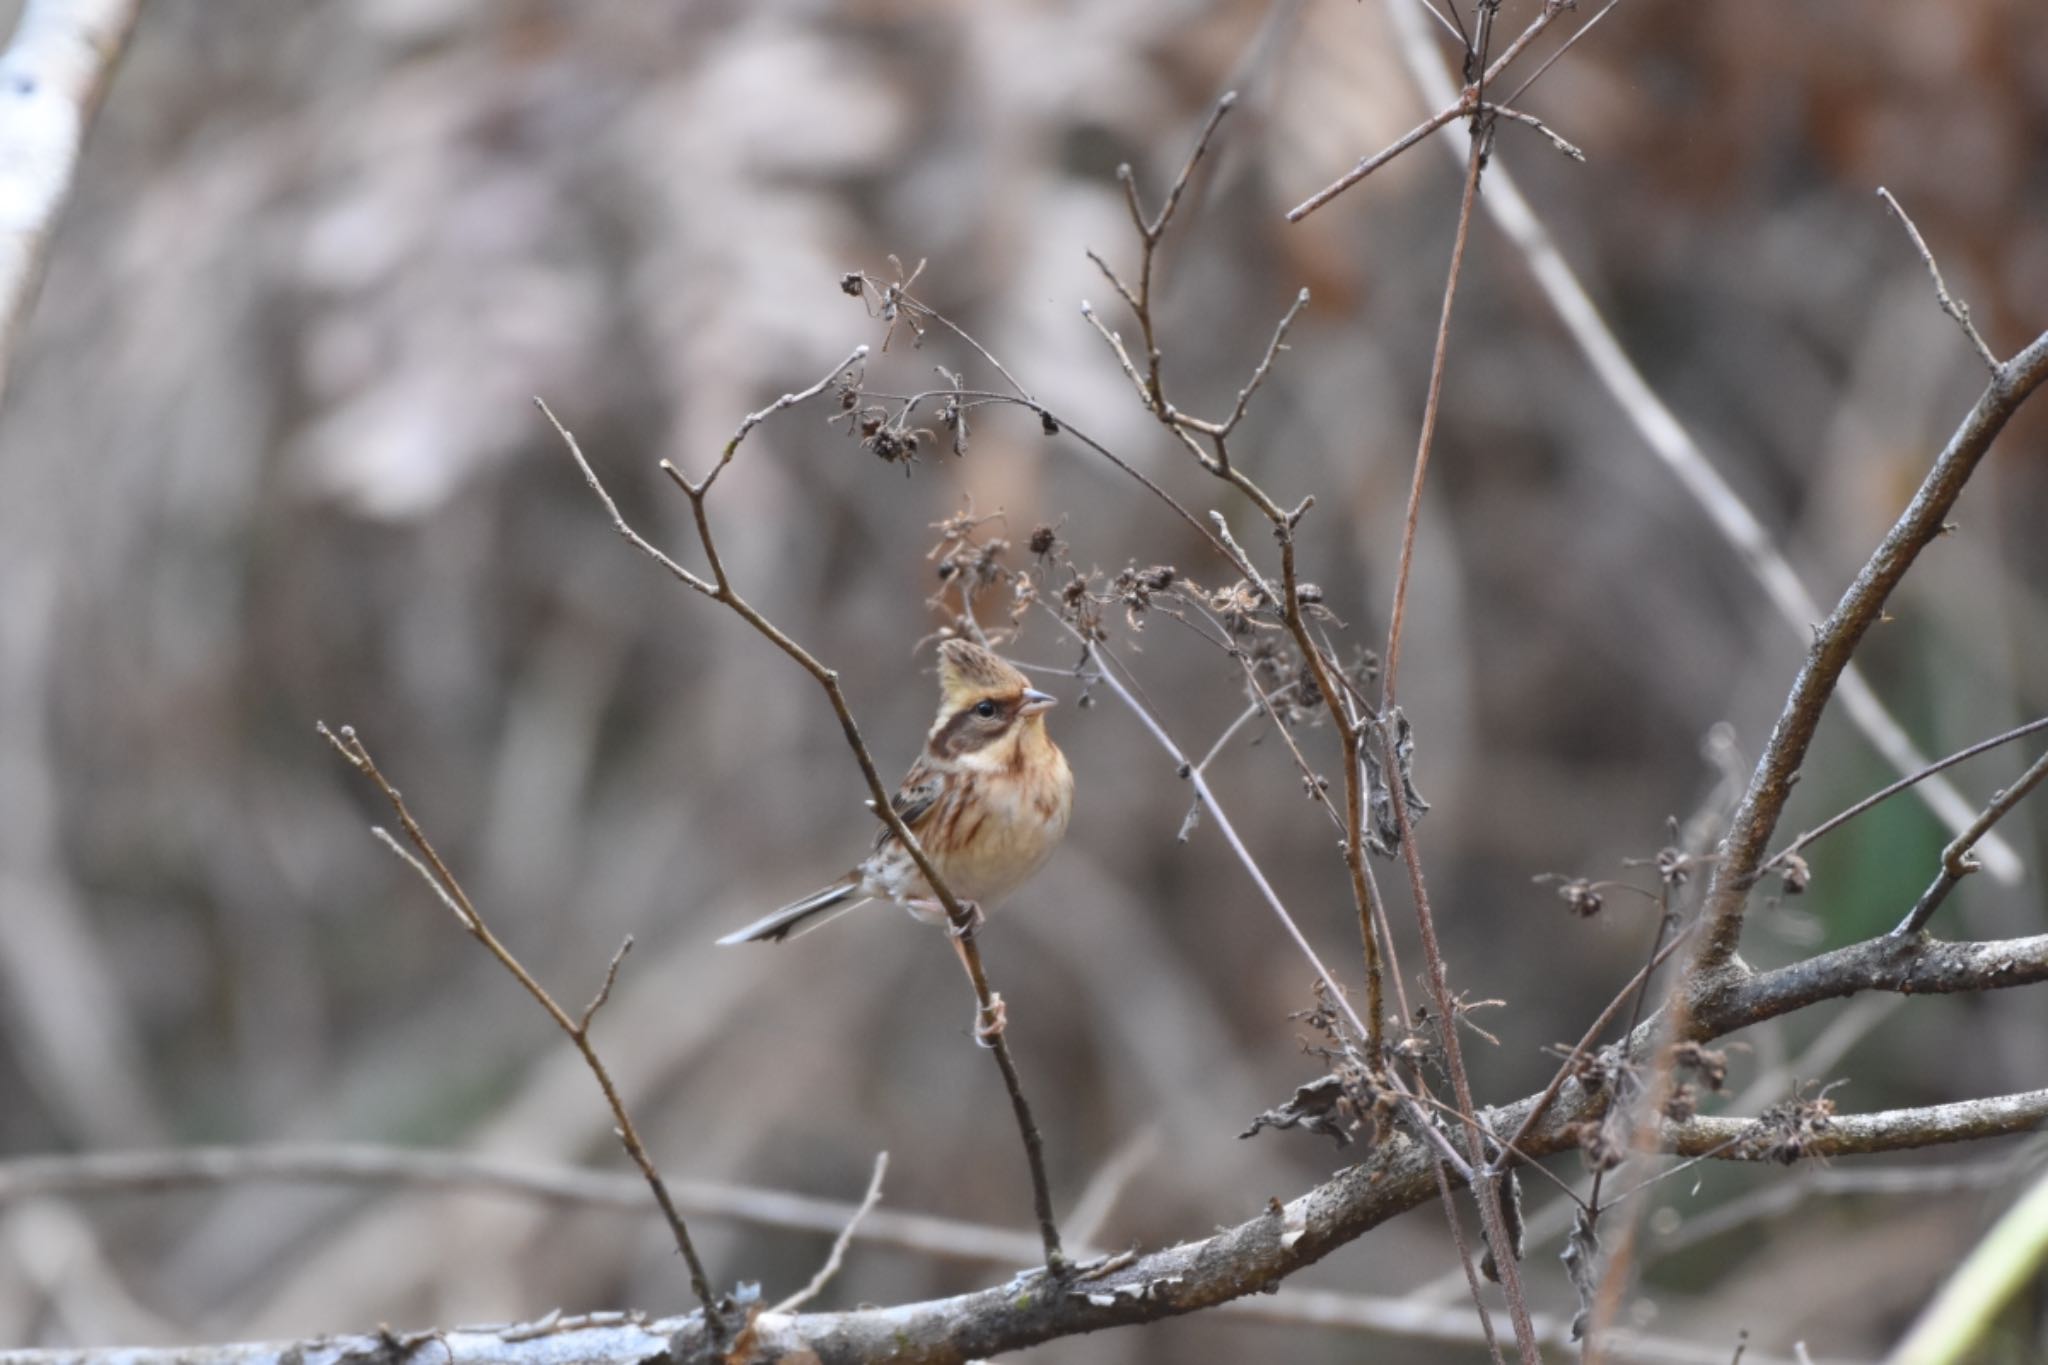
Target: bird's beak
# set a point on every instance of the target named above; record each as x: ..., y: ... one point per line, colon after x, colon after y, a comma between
x: 1036, y: 702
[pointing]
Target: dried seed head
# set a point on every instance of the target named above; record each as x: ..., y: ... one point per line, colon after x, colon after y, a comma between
x: 1786, y: 1132
x: 1602, y: 1147
x: 1581, y: 896
x: 1710, y: 1065
x: 1683, y: 1102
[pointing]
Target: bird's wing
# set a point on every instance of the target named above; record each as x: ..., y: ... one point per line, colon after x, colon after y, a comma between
x: 914, y: 799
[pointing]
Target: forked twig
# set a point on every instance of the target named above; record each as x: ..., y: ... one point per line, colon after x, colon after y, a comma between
x: 424, y: 860
x: 837, y: 1255
x: 1950, y: 304
x: 1469, y: 102
x: 1957, y: 861
x: 720, y: 589
x: 1841, y: 818
x: 1193, y: 432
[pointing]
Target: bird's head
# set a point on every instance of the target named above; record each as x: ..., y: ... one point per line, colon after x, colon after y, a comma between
x: 984, y: 703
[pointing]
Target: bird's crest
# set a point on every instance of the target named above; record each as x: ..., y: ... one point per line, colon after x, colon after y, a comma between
x: 968, y: 672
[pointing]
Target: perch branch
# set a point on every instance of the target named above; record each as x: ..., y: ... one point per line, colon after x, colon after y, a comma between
x: 721, y: 590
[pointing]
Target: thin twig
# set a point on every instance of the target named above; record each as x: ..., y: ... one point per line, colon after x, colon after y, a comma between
x: 436, y: 874
x: 1485, y: 1193
x: 1957, y: 861
x: 1834, y: 822
x: 1425, y: 441
x: 1781, y: 1197
x: 1464, y: 1255
x: 1273, y: 349
x: 1669, y: 441
x: 1581, y: 31
x: 960, y: 919
x: 1950, y: 304
x: 839, y: 1243
x: 754, y: 419
x: 1100, y: 1195
x: 1230, y: 836
x: 1466, y: 104
x: 1555, y: 139
x: 1327, y: 678
x: 604, y: 991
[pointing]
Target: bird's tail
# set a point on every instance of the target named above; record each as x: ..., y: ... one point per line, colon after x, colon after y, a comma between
x: 800, y: 917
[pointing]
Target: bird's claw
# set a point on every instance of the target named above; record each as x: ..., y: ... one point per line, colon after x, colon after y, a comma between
x: 970, y: 921
x: 991, y: 1020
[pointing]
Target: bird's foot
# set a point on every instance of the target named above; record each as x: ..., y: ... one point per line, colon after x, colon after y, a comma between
x: 991, y: 1020
x: 970, y: 921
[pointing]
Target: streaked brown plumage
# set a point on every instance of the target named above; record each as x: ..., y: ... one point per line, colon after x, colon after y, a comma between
x: 987, y: 801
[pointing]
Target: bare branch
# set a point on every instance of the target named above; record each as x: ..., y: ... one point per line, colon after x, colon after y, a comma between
x: 1531, y: 121
x: 961, y: 922
x: 1273, y: 349
x: 1466, y: 103
x: 1475, y: 162
x: 838, y: 1253
x: 611, y: 508
x: 1957, y: 861
x: 782, y: 404
x: 1833, y: 822
x: 435, y: 871
x: 412, y: 860
x: 1950, y: 304
x: 1670, y: 443
x: 1233, y: 1263
x: 1230, y: 836
x: 1908, y: 966
x: 1892, y: 1130
x: 1485, y: 1193
x: 604, y: 992
x: 1581, y: 31
x: 1835, y: 640
x: 94, y: 1175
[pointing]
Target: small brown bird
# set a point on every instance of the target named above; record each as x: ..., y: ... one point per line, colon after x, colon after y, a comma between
x: 987, y: 802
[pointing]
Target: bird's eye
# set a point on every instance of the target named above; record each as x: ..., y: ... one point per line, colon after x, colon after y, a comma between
x: 985, y: 709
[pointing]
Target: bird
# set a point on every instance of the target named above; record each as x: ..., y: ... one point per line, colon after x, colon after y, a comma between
x: 987, y: 801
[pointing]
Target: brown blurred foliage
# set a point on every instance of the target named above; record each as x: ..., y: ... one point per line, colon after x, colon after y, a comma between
x: 271, y: 458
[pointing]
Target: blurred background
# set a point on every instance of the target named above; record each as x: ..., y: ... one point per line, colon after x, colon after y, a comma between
x: 270, y: 458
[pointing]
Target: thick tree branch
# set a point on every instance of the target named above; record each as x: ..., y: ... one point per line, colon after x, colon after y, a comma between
x: 1835, y: 641
x: 1722, y: 1005
x: 1892, y: 1130
x: 1262, y: 1251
